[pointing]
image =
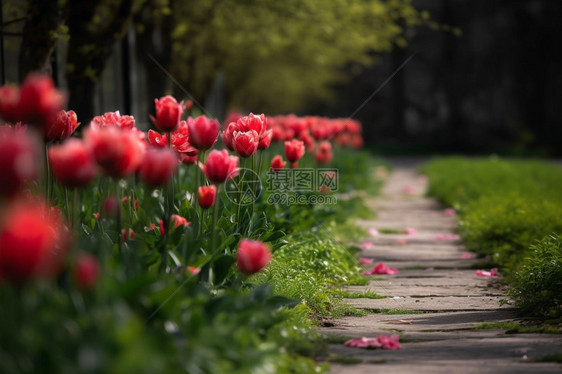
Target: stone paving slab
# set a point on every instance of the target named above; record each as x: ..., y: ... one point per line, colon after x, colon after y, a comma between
x: 449, y: 300
x: 432, y: 303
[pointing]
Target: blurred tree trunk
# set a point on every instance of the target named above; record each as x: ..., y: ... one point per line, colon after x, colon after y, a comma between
x: 90, y: 45
x: 39, y: 37
x: 156, y: 40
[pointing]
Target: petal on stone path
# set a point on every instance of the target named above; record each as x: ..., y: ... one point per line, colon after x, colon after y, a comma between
x: 382, y: 269
x: 446, y: 237
x: 383, y: 341
x: 365, y: 260
x: 466, y: 255
x: 489, y: 274
x: 367, y: 245
x: 372, y: 231
x: 408, y: 190
x: 450, y: 212
x: 410, y: 231
x: 400, y: 242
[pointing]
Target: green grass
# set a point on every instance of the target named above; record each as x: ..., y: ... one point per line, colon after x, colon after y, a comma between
x: 345, y: 360
x: 505, y: 208
x: 386, y: 230
x: 368, y: 294
x: 398, y: 311
x: 518, y: 328
x: 555, y: 357
x: 376, y: 362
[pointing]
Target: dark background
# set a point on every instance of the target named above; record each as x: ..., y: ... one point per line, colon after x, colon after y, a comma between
x: 494, y: 87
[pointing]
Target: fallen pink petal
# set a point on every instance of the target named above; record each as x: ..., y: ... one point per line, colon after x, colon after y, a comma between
x: 400, y: 242
x: 367, y: 245
x: 373, y: 232
x: 366, y: 261
x: 446, y: 237
x: 429, y: 269
x: 466, y: 255
x: 493, y: 273
x: 382, y: 269
x: 408, y: 190
x: 383, y: 342
x: 410, y: 231
x: 450, y: 212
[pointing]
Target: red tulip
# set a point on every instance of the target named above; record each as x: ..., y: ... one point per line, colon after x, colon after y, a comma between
x: 118, y: 152
x: 227, y: 135
x: 188, y: 160
x: 73, y: 163
x: 39, y: 100
x: 176, y: 221
x: 323, y: 154
x: 63, y: 125
x: 168, y: 113
x: 180, y: 140
x: 125, y: 232
x: 203, y: 132
x: 111, y: 119
x: 9, y: 98
x: 266, y: 140
x: 245, y: 143
x: 33, y: 241
x: 220, y: 166
x: 294, y: 150
x: 252, y: 256
x: 277, y: 163
x: 18, y: 160
x: 86, y: 272
x: 207, y: 196
x: 258, y: 123
x: 111, y: 207
x: 158, y: 166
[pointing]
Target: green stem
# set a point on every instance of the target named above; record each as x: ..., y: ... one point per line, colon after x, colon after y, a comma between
x: 118, y: 220
x: 215, y: 219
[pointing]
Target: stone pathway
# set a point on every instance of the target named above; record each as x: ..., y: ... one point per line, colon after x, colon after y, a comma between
x: 438, y: 292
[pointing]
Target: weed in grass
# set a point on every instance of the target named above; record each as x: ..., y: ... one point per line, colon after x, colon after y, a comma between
x: 517, y: 328
x: 556, y: 357
x: 345, y: 360
x: 368, y: 294
x: 398, y: 311
x: 335, y: 339
x: 376, y: 362
x: 386, y: 230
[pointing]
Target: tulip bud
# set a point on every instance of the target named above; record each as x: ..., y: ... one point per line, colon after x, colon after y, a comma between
x: 294, y: 150
x: 252, y: 256
x: 203, y: 132
x: 277, y: 163
x: 72, y: 163
x: 111, y: 207
x: 86, y: 272
x: 158, y: 166
x: 207, y: 196
x: 168, y: 113
x: 61, y: 127
x: 323, y: 154
x: 265, y: 142
x: 175, y: 221
x: 9, y: 98
x: 18, y: 160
